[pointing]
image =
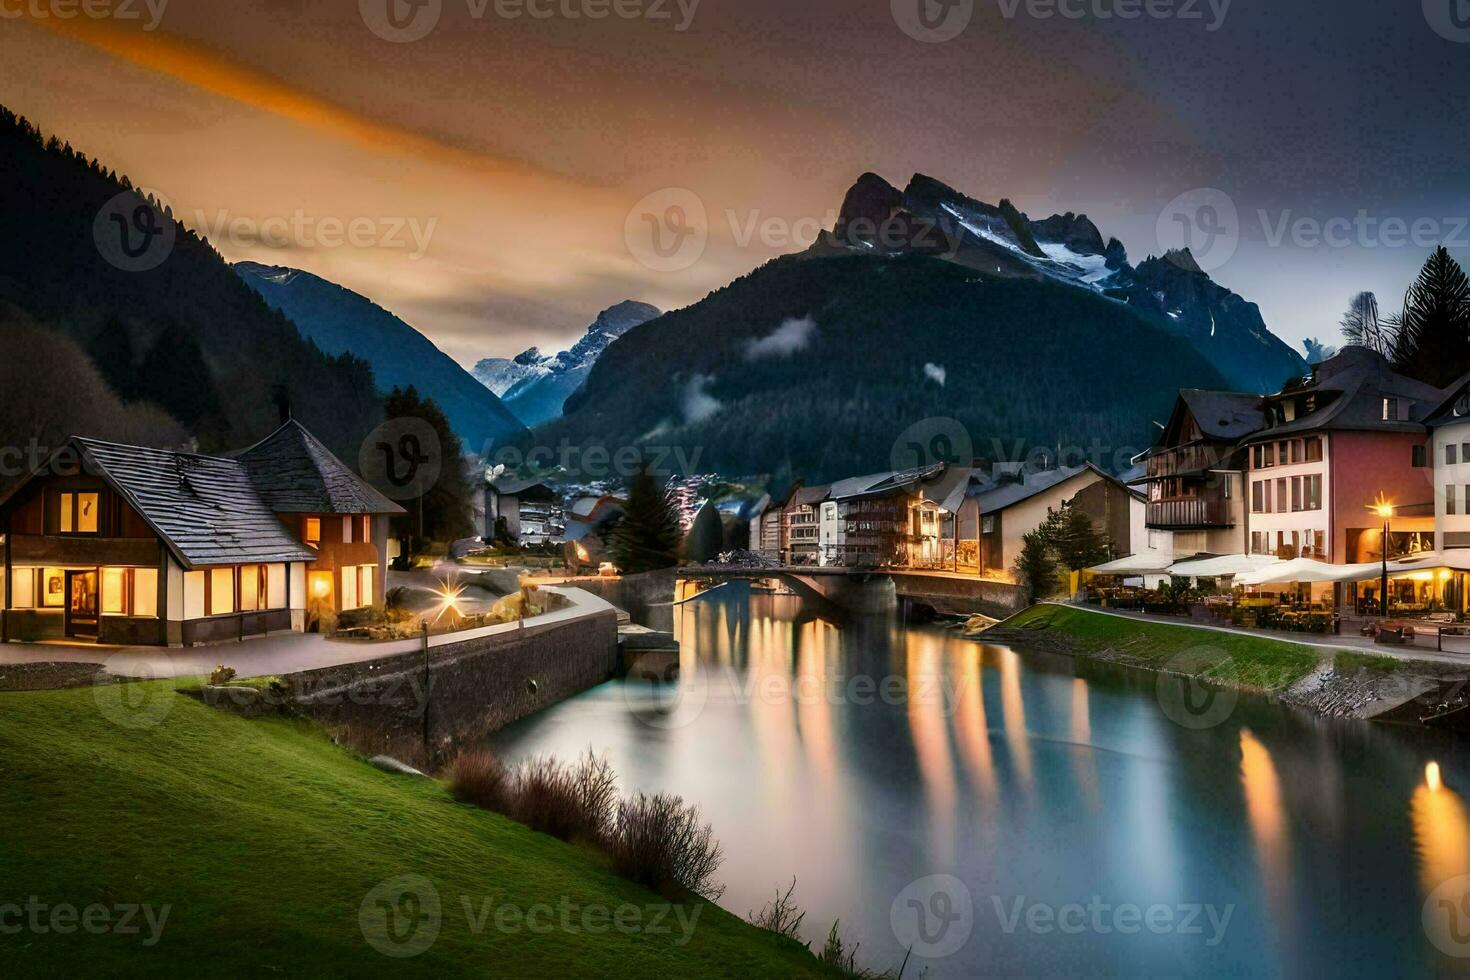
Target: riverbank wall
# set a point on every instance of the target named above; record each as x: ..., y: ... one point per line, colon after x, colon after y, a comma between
x: 423, y: 710
x: 1333, y: 682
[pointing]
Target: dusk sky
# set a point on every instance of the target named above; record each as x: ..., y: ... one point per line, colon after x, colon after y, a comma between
x: 516, y: 147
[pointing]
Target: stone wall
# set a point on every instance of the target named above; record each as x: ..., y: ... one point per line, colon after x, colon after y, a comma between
x: 962, y: 596
x: 475, y: 687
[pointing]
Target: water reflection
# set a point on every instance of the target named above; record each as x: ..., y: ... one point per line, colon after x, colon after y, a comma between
x: 864, y: 755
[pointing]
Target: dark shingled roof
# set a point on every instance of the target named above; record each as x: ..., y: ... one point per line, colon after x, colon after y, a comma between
x: 295, y: 474
x: 203, y: 507
x: 1360, y: 379
x: 1224, y: 414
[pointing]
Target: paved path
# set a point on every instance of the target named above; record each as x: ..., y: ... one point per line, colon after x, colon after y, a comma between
x: 1356, y: 644
x: 280, y: 653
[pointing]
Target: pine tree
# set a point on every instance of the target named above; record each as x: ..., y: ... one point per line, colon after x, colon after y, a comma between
x: 1076, y: 540
x: 706, y: 537
x: 1433, y: 341
x: 445, y: 506
x: 1362, y: 327
x: 647, y: 538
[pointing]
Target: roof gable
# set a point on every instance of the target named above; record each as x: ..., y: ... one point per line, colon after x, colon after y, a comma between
x: 295, y: 474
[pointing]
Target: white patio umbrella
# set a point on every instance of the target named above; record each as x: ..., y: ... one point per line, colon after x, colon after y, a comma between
x: 1309, y: 570
x: 1222, y: 565
x: 1144, y: 563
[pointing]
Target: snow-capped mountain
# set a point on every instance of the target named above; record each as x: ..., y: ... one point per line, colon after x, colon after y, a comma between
x: 535, y: 386
x: 932, y: 218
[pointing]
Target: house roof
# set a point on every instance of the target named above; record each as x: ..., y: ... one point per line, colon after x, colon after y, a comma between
x: 295, y: 474
x: 808, y: 496
x: 203, y: 507
x: 510, y: 485
x: 1444, y: 413
x: 994, y: 497
x: 1356, y: 381
x: 1224, y: 414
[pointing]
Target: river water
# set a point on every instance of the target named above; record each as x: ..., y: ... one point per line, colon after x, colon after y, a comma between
x: 1005, y: 813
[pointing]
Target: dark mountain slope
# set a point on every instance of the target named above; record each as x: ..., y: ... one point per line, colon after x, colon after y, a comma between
x: 1025, y: 363
x: 343, y: 322
x: 185, y: 335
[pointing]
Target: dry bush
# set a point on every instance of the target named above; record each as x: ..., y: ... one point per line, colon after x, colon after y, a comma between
x: 659, y: 842
x: 780, y: 915
x: 567, y: 802
x: 482, y: 780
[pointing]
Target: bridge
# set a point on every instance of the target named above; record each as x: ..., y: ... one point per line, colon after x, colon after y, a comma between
x: 862, y: 590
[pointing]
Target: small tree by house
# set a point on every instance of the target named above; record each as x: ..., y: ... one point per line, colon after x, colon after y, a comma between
x: 445, y: 508
x: 1035, y: 567
x: 707, y: 536
x: 1076, y: 540
x: 647, y: 538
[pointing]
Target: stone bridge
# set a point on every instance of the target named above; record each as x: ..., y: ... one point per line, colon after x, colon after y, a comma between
x: 875, y: 590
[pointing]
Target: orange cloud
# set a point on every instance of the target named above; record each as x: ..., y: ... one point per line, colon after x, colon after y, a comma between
x: 209, y: 70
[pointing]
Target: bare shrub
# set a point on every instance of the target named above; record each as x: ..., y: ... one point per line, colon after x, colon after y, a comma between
x: 659, y: 842
x: 567, y: 802
x: 482, y: 780
x: 780, y: 915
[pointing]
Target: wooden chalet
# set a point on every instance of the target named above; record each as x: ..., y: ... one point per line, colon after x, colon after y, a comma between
x: 126, y: 545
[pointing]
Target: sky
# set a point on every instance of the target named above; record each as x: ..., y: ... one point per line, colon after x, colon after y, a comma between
x: 495, y: 171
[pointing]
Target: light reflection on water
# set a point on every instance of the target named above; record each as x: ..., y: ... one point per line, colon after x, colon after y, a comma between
x: 860, y: 757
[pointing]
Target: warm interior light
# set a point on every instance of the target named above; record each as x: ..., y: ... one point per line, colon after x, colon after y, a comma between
x: 1431, y: 777
x: 582, y: 553
x: 321, y: 585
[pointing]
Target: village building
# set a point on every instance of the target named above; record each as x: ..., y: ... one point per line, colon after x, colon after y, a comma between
x: 127, y: 545
x: 1194, y: 474
x: 1016, y: 500
x: 1351, y: 434
x: 526, y: 510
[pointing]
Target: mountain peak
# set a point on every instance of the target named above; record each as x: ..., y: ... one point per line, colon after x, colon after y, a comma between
x: 870, y: 202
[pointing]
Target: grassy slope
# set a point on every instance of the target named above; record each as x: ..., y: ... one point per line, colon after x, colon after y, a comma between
x: 265, y: 839
x: 1248, y: 661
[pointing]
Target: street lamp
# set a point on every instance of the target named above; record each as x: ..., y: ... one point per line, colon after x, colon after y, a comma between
x: 1383, y: 509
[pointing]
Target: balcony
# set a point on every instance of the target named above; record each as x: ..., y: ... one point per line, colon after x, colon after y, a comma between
x: 1184, y: 461
x: 1188, y: 513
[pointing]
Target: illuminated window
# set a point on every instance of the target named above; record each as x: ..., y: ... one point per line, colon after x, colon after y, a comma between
x: 249, y: 588
x: 53, y: 588
x: 312, y: 531
x: 349, y: 588
x: 86, y: 513
x: 275, y: 591
x: 23, y: 589
x: 347, y: 530
x: 367, y: 529
x: 145, y: 592
x: 115, y: 591
x: 368, y: 595
x: 221, y: 591
x: 76, y: 513
x: 193, y: 595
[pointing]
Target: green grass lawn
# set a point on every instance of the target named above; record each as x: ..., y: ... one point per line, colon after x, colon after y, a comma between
x: 1254, y: 662
x: 264, y: 840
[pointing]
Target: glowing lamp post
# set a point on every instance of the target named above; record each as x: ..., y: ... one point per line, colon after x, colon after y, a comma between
x: 1383, y: 509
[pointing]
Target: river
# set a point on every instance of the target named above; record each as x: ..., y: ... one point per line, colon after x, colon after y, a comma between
x: 999, y: 814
